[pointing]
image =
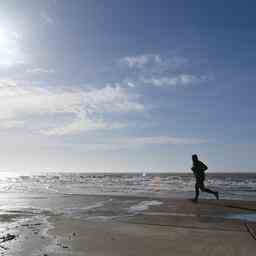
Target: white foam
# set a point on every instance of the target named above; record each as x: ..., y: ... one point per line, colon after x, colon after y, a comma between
x: 142, y: 206
x: 86, y: 208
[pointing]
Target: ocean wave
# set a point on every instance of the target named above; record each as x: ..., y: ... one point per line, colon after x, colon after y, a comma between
x: 142, y: 206
x: 133, y: 183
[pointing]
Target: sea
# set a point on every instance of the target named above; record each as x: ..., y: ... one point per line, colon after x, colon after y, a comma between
x: 241, y: 186
x: 103, y: 196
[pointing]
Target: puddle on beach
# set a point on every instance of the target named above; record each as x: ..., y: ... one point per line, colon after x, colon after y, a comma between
x: 242, y: 216
x: 232, y: 216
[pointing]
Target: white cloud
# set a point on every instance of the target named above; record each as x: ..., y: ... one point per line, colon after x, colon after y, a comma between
x: 12, y: 124
x: 159, y: 71
x: 82, y: 123
x: 155, y: 60
x: 135, y: 142
x: 181, y: 79
x: 141, y: 60
x: 74, y: 110
x: 130, y: 84
x: 176, y: 62
x: 46, y: 17
x: 158, y: 140
x: 77, y: 126
x: 40, y: 70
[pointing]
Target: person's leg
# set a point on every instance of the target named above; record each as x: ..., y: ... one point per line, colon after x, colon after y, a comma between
x: 207, y: 190
x: 196, y: 191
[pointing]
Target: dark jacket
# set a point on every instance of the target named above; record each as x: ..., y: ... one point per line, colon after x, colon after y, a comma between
x: 199, y: 169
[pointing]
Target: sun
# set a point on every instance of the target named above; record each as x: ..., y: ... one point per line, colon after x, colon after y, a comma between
x: 10, y: 53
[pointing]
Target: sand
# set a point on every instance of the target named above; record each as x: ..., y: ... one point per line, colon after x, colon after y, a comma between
x: 176, y: 227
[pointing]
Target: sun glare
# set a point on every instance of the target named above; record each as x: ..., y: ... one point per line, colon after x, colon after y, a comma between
x: 9, y: 48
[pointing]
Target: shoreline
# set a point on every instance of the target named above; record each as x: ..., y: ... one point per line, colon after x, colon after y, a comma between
x: 61, y: 234
x: 156, y: 228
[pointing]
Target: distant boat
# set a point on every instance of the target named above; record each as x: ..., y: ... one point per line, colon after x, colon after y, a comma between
x: 144, y: 174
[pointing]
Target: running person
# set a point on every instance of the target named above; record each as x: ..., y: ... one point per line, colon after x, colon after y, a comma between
x: 199, y: 169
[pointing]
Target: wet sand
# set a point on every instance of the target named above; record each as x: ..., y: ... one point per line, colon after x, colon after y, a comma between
x: 176, y: 227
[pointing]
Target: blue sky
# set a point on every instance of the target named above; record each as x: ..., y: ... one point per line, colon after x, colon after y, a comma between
x: 127, y: 85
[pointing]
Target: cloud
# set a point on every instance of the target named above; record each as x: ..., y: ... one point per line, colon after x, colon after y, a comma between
x: 161, y: 70
x: 11, y: 124
x: 159, y: 140
x: 80, y: 125
x: 63, y: 111
x: 181, y: 79
x: 141, y: 60
x: 155, y: 61
x: 40, y: 70
x: 46, y: 18
x: 176, y: 62
x: 135, y: 142
x: 83, y: 123
x: 130, y: 84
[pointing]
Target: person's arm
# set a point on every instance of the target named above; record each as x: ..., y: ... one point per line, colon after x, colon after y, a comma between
x: 193, y: 169
x: 204, y: 167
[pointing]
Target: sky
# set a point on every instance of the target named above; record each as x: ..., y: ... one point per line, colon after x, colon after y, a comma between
x: 95, y: 85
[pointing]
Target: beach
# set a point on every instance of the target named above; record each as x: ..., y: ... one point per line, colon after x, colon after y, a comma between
x: 126, y: 225
x: 126, y: 128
